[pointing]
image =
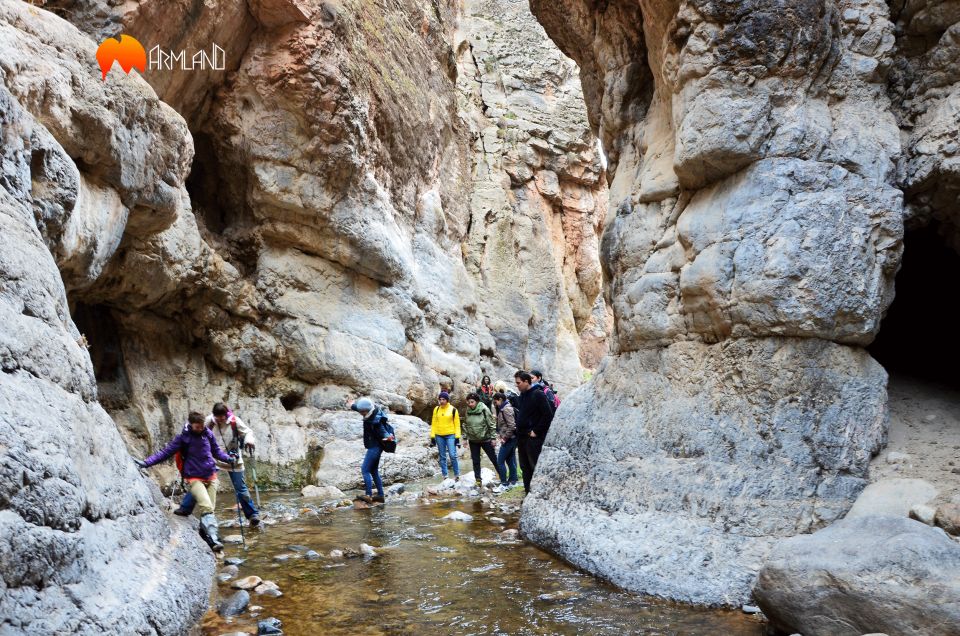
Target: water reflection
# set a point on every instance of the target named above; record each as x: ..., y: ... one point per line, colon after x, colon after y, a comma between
x: 435, y: 576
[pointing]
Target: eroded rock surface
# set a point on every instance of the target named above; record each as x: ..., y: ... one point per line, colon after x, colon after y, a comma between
x: 84, y: 546
x: 864, y: 575
x: 753, y: 236
x: 386, y: 199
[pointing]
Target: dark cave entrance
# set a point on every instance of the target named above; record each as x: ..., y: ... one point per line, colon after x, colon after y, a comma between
x: 916, y: 336
x: 102, y: 332
x: 206, y: 192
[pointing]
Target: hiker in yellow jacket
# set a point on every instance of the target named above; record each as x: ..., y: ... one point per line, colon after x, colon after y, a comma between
x: 445, y: 433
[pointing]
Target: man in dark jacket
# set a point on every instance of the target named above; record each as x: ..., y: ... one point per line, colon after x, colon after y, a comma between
x: 533, y: 422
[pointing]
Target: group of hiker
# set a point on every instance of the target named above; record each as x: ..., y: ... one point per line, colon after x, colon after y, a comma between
x: 515, y: 421
x: 499, y: 422
x: 197, y: 452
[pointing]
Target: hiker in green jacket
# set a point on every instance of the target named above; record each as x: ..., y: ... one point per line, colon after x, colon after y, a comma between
x: 480, y: 428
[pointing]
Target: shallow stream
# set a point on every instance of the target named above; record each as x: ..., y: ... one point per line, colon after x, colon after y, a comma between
x: 434, y: 576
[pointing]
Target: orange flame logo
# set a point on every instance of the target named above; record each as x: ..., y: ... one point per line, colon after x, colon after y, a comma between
x: 128, y: 51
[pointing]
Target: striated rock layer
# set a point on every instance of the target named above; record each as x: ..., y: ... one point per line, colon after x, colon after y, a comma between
x: 754, y: 234
x: 84, y: 546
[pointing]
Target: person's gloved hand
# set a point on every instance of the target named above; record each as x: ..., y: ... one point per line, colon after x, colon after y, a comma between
x: 249, y: 448
x: 140, y: 463
x: 234, y: 457
x: 433, y: 442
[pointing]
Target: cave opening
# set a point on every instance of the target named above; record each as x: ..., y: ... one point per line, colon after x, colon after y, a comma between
x: 292, y: 400
x: 204, y: 186
x: 916, y: 336
x: 101, y: 332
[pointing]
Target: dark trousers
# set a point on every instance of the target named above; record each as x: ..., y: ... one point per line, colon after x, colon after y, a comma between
x: 487, y: 447
x: 507, y: 459
x: 370, y: 471
x: 529, y: 451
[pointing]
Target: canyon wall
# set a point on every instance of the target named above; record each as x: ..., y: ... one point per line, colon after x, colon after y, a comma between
x: 371, y: 198
x: 84, y: 546
x: 385, y: 200
x: 755, y: 229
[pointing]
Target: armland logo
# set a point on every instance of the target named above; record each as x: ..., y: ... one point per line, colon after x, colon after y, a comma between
x: 130, y: 54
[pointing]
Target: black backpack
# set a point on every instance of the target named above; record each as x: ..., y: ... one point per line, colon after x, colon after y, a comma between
x: 388, y: 445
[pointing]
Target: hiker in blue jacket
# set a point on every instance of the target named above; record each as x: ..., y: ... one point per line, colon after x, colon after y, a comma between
x: 374, y: 433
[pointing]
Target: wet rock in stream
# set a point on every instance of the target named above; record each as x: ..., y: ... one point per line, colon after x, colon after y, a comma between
x: 234, y: 604
x: 247, y: 583
x: 269, y: 626
x: 268, y: 588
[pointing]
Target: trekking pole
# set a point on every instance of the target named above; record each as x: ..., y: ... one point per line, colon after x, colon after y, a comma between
x: 256, y: 488
x: 243, y: 539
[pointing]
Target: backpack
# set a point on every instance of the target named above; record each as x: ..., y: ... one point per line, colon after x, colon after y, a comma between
x: 514, y: 400
x: 456, y: 413
x: 553, y: 398
x: 388, y: 445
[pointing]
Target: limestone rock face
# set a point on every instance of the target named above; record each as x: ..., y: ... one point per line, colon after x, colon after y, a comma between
x: 925, y: 89
x: 538, y: 198
x: 385, y: 199
x: 864, y: 575
x: 750, y: 250
x: 84, y: 546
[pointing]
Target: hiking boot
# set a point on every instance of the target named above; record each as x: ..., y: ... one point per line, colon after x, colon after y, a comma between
x: 500, y: 488
x: 479, y: 484
x: 365, y: 498
x: 182, y: 512
x: 379, y: 499
x: 208, y: 524
x: 254, y: 521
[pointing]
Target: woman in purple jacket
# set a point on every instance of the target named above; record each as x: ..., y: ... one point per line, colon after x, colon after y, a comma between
x: 197, y: 447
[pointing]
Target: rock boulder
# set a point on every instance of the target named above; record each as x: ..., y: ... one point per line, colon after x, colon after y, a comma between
x: 861, y: 575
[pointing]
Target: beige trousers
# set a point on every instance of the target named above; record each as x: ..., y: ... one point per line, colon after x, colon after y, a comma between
x: 205, y: 492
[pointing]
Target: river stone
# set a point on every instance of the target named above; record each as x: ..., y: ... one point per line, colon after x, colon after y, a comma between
x: 311, y: 555
x: 367, y: 550
x: 457, y: 515
x: 234, y: 561
x: 947, y: 517
x: 325, y: 493
x: 923, y: 513
x: 234, y: 604
x: 286, y: 556
x: 247, y: 583
x: 234, y: 538
x: 336, y: 554
x: 893, y: 497
x: 396, y: 489
x: 268, y: 588
x: 269, y: 626
x: 863, y: 574
x: 897, y: 458
x: 487, y: 477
